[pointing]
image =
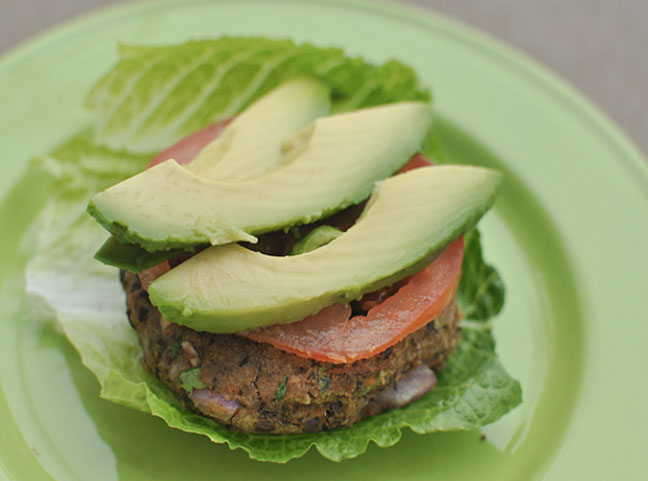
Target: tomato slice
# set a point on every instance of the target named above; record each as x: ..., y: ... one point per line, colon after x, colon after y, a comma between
x: 332, y: 336
x: 147, y: 276
x: 417, y: 160
x: 187, y: 148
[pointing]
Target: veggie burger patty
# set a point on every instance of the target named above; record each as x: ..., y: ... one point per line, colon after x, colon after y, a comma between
x: 255, y: 387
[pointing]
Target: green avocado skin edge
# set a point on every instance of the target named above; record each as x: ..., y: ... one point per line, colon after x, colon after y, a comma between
x: 409, y: 219
x: 132, y: 257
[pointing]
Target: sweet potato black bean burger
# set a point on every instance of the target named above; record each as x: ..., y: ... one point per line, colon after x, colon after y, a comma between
x: 296, y: 260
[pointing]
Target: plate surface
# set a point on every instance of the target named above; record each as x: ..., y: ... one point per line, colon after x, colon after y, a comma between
x: 568, y: 235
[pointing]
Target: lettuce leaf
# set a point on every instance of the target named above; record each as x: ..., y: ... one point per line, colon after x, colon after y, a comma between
x: 86, y: 299
x: 481, y: 291
x: 156, y: 95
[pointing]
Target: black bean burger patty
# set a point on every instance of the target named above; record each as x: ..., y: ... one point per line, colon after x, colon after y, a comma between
x: 254, y: 387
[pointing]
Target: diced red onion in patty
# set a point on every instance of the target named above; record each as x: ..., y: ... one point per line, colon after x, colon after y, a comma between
x: 214, y: 404
x: 412, y: 387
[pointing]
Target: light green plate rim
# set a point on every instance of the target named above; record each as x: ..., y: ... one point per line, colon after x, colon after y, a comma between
x: 568, y: 234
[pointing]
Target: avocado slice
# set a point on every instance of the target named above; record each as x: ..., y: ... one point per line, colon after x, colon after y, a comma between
x: 409, y: 219
x: 331, y: 164
x: 251, y: 145
x: 248, y: 147
x: 316, y: 238
x: 132, y: 257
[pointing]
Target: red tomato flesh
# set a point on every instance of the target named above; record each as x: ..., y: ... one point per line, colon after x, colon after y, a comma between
x: 147, y: 276
x: 417, y: 160
x: 187, y: 148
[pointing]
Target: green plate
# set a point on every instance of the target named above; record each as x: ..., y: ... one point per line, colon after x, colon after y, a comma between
x: 568, y: 235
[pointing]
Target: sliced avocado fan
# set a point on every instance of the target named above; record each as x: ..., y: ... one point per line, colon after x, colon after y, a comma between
x: 331, y: 164
x: 249, y: 146
x: 409, y: 219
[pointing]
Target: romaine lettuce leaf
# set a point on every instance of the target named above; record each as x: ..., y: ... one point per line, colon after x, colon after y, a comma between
x: 481, y: 291
x: 66, y: 234
x: 156, y: 95
x: 87, y: 301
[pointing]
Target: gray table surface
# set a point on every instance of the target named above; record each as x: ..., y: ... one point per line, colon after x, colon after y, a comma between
x: 600, y: 46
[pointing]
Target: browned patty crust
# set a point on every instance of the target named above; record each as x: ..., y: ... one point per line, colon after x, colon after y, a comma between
x: 266, y: 390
